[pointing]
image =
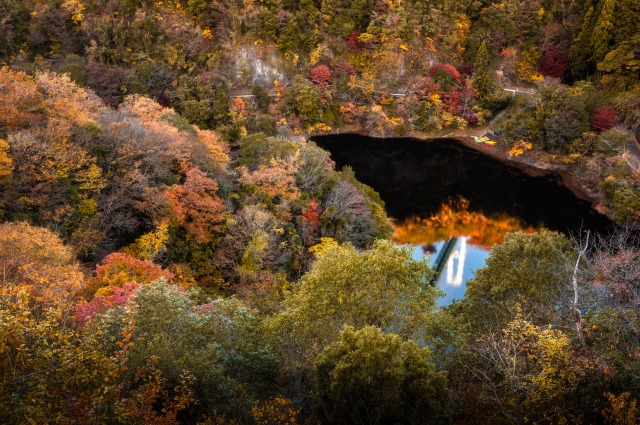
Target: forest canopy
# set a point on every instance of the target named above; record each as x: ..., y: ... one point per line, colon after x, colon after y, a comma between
x: 173, y: 248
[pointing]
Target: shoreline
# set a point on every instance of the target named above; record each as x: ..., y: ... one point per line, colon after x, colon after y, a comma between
x: 533, y: 165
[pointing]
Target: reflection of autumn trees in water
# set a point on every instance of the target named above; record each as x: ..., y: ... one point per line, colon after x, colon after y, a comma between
x: 455, y: 219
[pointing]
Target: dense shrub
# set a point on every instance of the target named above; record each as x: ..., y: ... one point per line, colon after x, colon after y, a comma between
x: 370, y: 377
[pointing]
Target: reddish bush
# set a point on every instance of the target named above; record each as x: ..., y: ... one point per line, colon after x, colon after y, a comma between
x: 353, y: 44
x: 470, y: 118
x: 346, y: 68
x: 452, y: 100
x: 554, y: 62
x: 99, y: 304
x: 310, y: 222
x: 604, y: 118
x: 449, y: 69
x: 312, y: 213
x: 321, y: 75
x: 431, y: 88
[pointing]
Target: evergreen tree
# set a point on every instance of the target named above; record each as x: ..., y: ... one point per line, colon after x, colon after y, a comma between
x: 626, y: 16
x: 261, y: 97
x: 579, y: 53
x: 481, y: 79
x: 603, y: 32
x: 221, y: 105
x: 289, y: 38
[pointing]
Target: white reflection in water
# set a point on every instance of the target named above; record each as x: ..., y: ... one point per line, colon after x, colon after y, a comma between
x: 461, y: 266
x: 459, y: 254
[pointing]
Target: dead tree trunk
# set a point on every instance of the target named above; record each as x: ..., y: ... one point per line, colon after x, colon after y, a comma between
x: 581, y: 252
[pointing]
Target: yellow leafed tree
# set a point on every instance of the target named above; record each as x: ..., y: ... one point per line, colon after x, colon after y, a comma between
x: 6, y: 163
x: 37, y: 259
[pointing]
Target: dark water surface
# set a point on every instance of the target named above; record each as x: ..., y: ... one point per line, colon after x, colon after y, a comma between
x: 416, y: 178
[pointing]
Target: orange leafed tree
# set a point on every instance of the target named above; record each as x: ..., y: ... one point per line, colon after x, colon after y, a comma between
x: 20, y: 96
x: 6, y: 163
x: 25, y: 98
x: 275, y: 180
x: 65, y: 101
x: 36, y: 258
x: 117, y: 269
x: 147, y: 109
x: 195, y: 206
x: 216, y: 149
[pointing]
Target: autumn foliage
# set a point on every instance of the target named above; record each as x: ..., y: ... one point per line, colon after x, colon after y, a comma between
x: 276, y: 180
x: 117, y: 270
x: 195, y: 206
x: 312, y: 213
x: 321, y: 75
x: 554, y: 62
x: 604, y: 118
x: 35, y: 259
x: 447, y: 69
x: 165, y: 258
x: 353, y: 43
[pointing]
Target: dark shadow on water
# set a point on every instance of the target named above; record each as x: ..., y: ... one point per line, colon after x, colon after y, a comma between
x: 415, y: 178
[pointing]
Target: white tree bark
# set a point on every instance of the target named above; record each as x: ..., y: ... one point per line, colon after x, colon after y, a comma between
x: 575, y: 304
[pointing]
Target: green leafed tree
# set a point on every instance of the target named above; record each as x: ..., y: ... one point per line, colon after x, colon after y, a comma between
x: 381, y: 287
x: 303, y: 99
x: 217, y: 343
x: 528, y: 270
x: 371, y: 377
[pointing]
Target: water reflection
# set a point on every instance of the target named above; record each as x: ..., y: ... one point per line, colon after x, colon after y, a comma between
x: 459, y: 268
x: 456, y: 241
x: 415, y: 178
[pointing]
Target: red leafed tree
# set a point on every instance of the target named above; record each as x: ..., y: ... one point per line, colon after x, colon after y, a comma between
x: 85, y: 311
x: 310, y: 222
x: 196, y: 207
x: 353, y: 43
x: 449, y: 69
x: 554, y: 62
x: 604, y: 118
x: 452, y: 100
x: 346, y: 68
x: 312, y: 213
x: 321, y: 75
x: 117, y: 277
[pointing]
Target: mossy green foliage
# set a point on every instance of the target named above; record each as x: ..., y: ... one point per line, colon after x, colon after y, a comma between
x: 369, y: 377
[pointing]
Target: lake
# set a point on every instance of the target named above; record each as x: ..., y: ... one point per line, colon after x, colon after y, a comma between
x: 444, y: 195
